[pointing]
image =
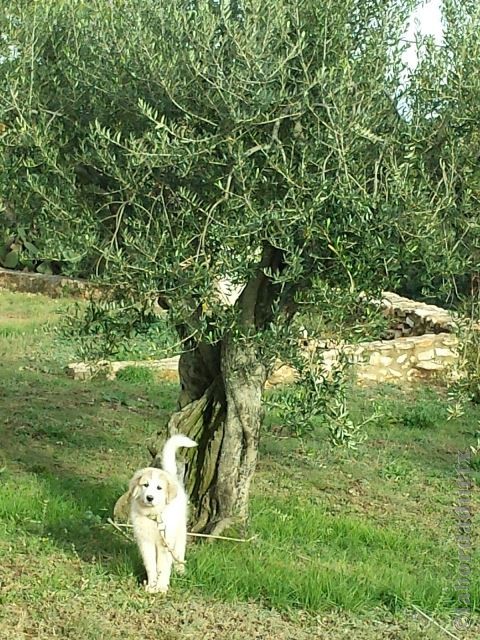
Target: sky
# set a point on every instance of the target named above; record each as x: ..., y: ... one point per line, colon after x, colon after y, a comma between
x: 427, y: 19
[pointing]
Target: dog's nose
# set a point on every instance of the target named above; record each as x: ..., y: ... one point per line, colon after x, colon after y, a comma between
x: 149, y: 498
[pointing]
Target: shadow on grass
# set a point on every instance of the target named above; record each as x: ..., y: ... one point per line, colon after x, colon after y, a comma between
x: 61, y: 437
x: 77, y: 522
x: 79, y: 498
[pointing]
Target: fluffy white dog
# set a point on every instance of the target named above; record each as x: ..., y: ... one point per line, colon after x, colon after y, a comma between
x: 158, y: 513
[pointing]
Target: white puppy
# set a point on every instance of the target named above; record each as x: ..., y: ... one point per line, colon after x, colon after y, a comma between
x: 158, y: 512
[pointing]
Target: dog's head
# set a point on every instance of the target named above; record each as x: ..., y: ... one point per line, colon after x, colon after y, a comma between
x: 152, y: 487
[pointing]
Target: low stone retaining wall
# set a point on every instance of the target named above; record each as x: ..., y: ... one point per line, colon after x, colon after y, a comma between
x: 167, y: 368
x: 423, y: 346
x: 410, y: 318
x: 405, y: 359
x: 415, y: 357
x: 402, y: 360
x: 421, y: 339
x: 51, y: 286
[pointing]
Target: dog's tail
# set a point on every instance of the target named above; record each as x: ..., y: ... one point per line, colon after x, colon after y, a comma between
x: 169, y: 463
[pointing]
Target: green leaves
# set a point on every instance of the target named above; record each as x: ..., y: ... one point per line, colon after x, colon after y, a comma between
x: 10, y: 261
x: 16, y: 251
x: 159, y: 147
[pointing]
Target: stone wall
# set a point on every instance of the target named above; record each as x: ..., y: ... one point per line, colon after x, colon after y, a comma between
x: 410, y: 318
x: 51, y: 286
x: 401, y: 360
x: 410, y: 358
x: 166, y: 369
x: 420, y: 341
x: 420, y: 344
x: 427, y: 347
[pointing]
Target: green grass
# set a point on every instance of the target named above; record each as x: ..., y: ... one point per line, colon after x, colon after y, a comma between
x: 136, y: 374
x: 345, y: 542
x: 339, y: 562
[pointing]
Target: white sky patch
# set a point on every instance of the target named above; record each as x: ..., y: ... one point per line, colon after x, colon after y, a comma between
x: 427, y: 19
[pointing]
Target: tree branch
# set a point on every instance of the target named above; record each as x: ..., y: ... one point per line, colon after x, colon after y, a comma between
x: 248, y: 299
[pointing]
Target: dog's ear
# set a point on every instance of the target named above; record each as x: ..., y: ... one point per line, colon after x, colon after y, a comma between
x: 135, y: 483
x: 171, y: 490
x: 121, y: 508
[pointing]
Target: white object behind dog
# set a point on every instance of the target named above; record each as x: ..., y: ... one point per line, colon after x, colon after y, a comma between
x: 158, y: 512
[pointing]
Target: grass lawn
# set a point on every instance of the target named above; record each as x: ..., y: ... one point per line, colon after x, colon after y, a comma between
x: 350, y: 544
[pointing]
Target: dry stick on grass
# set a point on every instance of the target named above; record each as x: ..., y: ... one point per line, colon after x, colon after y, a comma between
x: 427, y: 617
x: 207, y: 535
x: 119, y: 526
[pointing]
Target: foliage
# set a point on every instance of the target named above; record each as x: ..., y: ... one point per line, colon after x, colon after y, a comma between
x: 425, y: 412
x: 466, y: 387
x: 464, y: 390
x: 164, y: 147
x: 421, y: 417
x: 161, y: 146
x: 318, y: 395
x: 443, y: 112
x: 18, y: 252
x: 119, y: 330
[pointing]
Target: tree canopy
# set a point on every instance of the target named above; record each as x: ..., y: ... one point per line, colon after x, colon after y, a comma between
x: 163, y: 146
x: 166, y: 147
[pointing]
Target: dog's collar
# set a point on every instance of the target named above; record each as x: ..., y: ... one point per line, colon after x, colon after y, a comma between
x: 157, y: 518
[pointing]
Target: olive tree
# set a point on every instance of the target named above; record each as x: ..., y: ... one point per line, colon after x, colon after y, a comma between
x: 166, y: 148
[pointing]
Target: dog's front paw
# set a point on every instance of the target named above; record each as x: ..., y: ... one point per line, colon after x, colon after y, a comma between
x: 156, y: 588
x: 180, y: 568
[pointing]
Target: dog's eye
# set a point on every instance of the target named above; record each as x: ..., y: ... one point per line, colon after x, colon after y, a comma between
x: 159, y: 488
x: 145, y: 484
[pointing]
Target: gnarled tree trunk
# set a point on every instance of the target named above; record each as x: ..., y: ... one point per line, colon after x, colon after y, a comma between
x: 220, y: 406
